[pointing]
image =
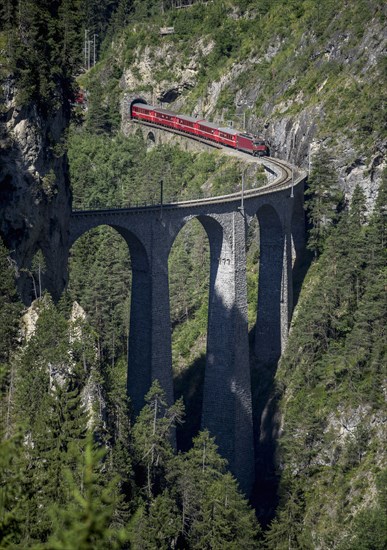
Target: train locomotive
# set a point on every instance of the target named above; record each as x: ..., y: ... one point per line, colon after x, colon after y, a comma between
x: 248, y: 143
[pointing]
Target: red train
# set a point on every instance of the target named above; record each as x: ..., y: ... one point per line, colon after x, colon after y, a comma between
x: 248, y: 143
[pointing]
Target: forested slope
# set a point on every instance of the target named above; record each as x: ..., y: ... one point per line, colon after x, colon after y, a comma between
x: 75, y: 472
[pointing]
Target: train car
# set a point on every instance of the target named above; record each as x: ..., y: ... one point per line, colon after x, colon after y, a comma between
x: 260, y: 149
x: 185, y: 123
x: 164, y: 117
x: 248, y: 143
x: 228, y: 136
x: 143, y: 111
x: 207, y: 130
x: 254, y: 145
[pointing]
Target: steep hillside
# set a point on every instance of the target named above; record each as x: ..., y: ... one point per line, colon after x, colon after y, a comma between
x: 302, y: 73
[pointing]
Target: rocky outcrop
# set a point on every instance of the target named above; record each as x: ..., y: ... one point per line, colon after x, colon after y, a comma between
x: 159, y: 70
x: 35, y: 198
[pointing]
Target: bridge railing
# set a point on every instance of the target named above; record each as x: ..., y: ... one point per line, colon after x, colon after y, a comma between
x: 280, y: 175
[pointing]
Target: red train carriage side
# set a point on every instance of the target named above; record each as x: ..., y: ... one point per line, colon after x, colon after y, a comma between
x: 207, y: 130
x: 143, y: 111
x: 228, y: 136
x: 164, y: 117
x: 245, y: 142
x: 185, y: 123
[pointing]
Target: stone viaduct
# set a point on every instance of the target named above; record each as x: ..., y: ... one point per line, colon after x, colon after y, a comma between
x: 150, y: 233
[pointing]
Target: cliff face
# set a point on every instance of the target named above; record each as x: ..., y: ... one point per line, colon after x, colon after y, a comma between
x: 35, y: 197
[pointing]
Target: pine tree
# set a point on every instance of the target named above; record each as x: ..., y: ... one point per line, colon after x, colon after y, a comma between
x: 56, y: 445
x: 157, y: 525
x: 366, y: 345
x: 152, y: 435
x: 287, y: 530
x: 11, y: 490
x: 214, y: 514
x: 43, y: 54
x: 324, y: 199
x: 10, y: 309
x: 10, y: 306
x: 85, y: 522
x: 97, y: 116
x: 225, y: 520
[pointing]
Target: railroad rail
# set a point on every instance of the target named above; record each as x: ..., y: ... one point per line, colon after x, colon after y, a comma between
x: 286, y: 177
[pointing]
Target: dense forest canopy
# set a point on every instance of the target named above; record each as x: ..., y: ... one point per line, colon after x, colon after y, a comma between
x: 77, y: 471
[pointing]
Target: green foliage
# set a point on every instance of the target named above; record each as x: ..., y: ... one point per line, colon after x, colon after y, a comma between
x: 44, y: 50
x: 47, y: 493
x: 158, y: 526
x: 325, y: 197
x: 369, y: 528
x: 202, y: 506
x: 334, y: 362
x: 101, y: 282
x: 189, y: 279
x: 10, y: 306
x: 11, y: 489
x: 152, y: 435
x: 85, y: 522
x: 215, y: 515
x: 57, y: 443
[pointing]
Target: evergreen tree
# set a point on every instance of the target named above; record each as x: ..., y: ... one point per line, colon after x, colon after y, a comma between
x: 214, y: 513
x: 152, y: 435
x: 119, y: 427
x: 97, y: 116
x: 56, y: 445
x: 225, y: 520
x: 324, y: 199
x: 85, y: 522
x: 44, y: 56
x: 11, y: 490
x: 10, y: 309
x: 287, y: 530
x: 10, y: 305
x: 157, y: 525
x: 369, y: 528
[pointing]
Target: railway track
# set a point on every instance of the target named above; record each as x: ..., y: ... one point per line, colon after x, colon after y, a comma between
x: 287, y: 176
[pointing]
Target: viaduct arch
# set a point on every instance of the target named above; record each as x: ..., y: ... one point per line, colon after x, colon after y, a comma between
x: 150, y: 233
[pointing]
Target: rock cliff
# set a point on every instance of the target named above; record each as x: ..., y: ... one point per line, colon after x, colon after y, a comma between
x: 35, y: 197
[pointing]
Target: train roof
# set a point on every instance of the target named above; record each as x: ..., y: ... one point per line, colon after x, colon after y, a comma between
x: 229, y: 131
x: 143, y: 106
x: 208, y: 124
x: 164, y: 112
x: 188, y: 118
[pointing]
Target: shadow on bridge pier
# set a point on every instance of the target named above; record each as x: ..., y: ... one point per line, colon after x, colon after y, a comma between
x: 266, y: 425
x: 266, y: 394
x: 189, y: 385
